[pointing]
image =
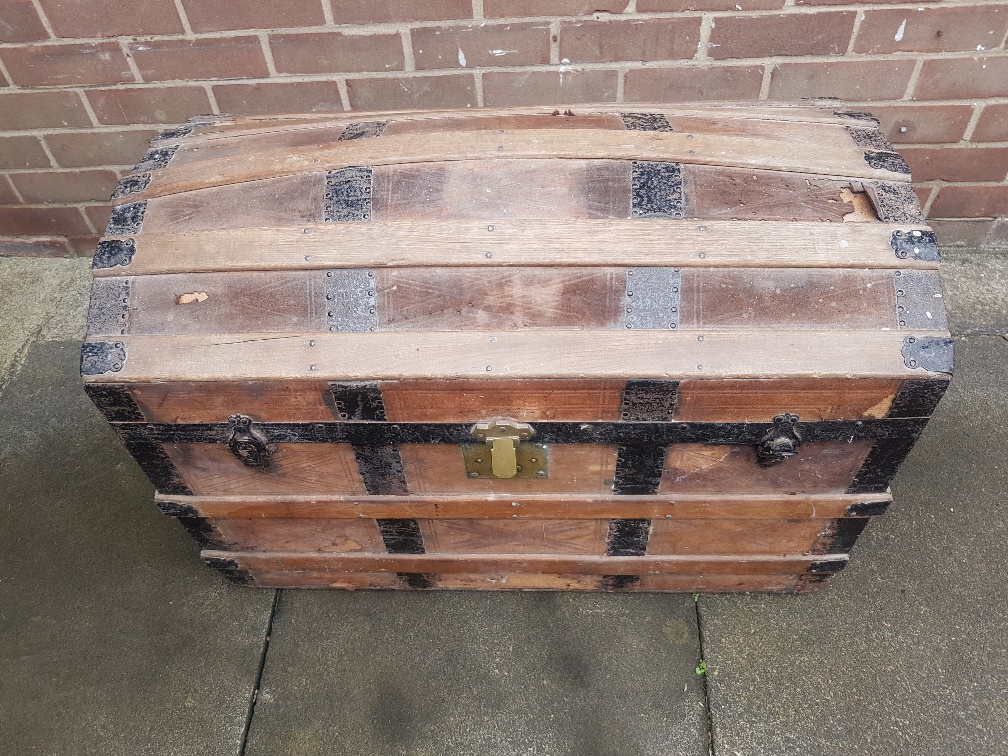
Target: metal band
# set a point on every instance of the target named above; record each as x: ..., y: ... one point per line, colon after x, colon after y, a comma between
x: 639, y: 469
x: 656, y: 190
x: 347, y: 195
x: 827, y: 567
x: 115, y: 402
x: 839, y: 536
x: 157, y: 466
x: 919, y: 305
x: 155, y: 158
x: 918, y: 398
x: 880, y: 466
x: 176, y: 133
x: 856, y: 115
x: 112, y: 253
x: 649, y: 400
x: 645, y: 122
x: 618, y: 582
x: 868, y: 508
x: 887, y: 161
x: 131, y: 185
x: 206, y: 534
x: 869, y: 137
x: 627, y: 537
x: 895, y: 202
x: 401, y: 536
x: 362, y: 130
x: 379, y: 464
x: 915, y: 245
x: 358, y: 401
x: 931, y: 353
x: 651, y: 300
x: 109, y: 310
x: 229, y: 568
x: 126, y: 219
x: 351, y: 300
x: 98, y: 357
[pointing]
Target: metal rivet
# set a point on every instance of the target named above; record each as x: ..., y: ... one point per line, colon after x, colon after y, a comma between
x: 313, y: 367
x: 489, y: 368
x: 328, y: 274
x: 629, y: 293
x: 699, y: 367
x: 311, y: 342
x: 911, y: 340
x: 672, y: 325
x: 913, y: 363
x: 479, y: 460
x: 490, y: 228
x: 473, y: 475
x: 488, y: 255
x: 702, y: 255
x: 699, y: 338
x: 541, y: 474
x: 902, y: 322
x: 702, y: 228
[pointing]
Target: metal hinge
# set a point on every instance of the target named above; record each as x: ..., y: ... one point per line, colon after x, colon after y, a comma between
x: 504, y: 452
x: 780, y: 442
x: 248, y: 443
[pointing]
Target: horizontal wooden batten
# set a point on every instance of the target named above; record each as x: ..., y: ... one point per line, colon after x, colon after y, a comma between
x: 509, y: 354
x: 730, y: 150
x: 599, y: 243
x: 556, y: 506
x: 547, y: 564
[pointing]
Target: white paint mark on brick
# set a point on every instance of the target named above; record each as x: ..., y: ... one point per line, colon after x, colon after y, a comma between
x: 900, y: 31
x: 462, y: 60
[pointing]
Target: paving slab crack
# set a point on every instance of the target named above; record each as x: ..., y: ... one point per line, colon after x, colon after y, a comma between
x: 254, y: 697
x: 702, y: 670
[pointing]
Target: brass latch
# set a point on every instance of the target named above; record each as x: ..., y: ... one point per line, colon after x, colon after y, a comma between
x: 509, y: 455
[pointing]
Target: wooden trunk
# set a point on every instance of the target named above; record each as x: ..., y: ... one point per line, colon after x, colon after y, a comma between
x: 675, y: 349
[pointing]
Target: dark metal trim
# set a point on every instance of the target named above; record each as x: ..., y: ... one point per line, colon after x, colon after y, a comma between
x: 98, y: 357
x: 109, y: 312
x: 932, y: 353
x: 868, y: 508
x: 887, y: 161
x: 206, y: 533
x: 869, y: 137
x: 358, y: 401
x: 351, y: 300
x: 381, y: 469
x: 550, y: 432
x: 126, y: 219
x: 249, y: 445
x: 881, y: 465
x: 627, y: 537
x: 401, y: 536
x: 839, y: 536
x: 176, y: 133
x: 155, y: 158
x: 656, y: 190
x: 645, y: 122
x: 780, y: 443
x: 230, y: 570
x: 918, y: 398
x: 131, y: 185
x: 114, y: 252
x: 919, y: 304
x: 362, y: 130
x: 639, y: 468
x: 651, y: 299
x: 618, y: 582
x: 347, y: 195
x: 895, y: 202
x: 827, y: 567
x: 416, y: 580
x: 915, y: 245
x: 156, y: 465
x: 649, y: 400
x: 177, y: 509
x: 115, y: 402
x: 856, y: 115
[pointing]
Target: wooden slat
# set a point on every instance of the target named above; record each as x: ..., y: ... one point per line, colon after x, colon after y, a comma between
x: 708, y: 149
x: 526, y: 506
x: 522, y: 243
x: 478, y: 563
x: 515, y: 354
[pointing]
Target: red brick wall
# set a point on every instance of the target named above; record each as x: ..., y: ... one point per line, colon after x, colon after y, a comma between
x: 85, y: 83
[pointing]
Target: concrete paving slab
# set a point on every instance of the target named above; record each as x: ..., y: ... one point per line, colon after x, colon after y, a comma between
x: 976, y: 291
x: 476, y: 674
x: 40, y: 298
x: 907, y: 651
x: 114, y: 639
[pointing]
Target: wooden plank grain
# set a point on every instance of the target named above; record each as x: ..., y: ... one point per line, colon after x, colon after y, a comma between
x: 741, y: 151
x: 508, y: 243
x: 514, y: 354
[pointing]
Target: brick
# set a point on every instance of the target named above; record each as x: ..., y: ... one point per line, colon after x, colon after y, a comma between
x: 65, y: 186
x: 450, y: 91
x: 35, y: 246
x: 999, y: 233
x: 923, y: 194
x: 222, y: 15
x: 293, y: 97
x: 484, y: 45
x: 965, y: 201
x: 862, y: 2
x: 7, y: 195
x: 961, y: 233
x: 99, y: 215
x: 330, y: 52
x: 633, y: 39
x: 678, y: 6
x: 384, y: 11
x: 974, y: 27
x: 84, y: 149
x: 111, y: 18
x: 19, y: 22
x: 42, y: 221
x: 848, y: 80
x: 83, y: 246
x: 37, y: 110
x: 22, y: 152
x: 518, y: 8
x: 961, y: 78
x: 148, y: 104
x: 923, y: 124
x: 957, y: 163
x: 826, y: 33
x: 187, y: 59
x: 693, y: 83
x: 548, y: 87
x: 67, y: 65
x: 993, y: 124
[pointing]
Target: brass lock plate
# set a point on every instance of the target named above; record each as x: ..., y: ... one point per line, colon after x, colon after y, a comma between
x: 530, y: 458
